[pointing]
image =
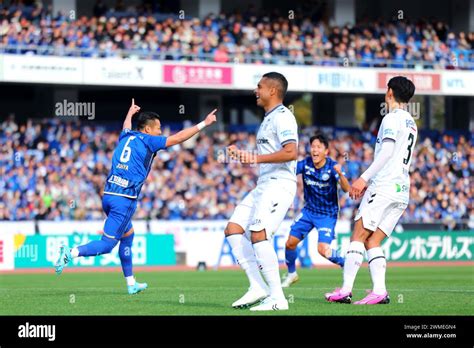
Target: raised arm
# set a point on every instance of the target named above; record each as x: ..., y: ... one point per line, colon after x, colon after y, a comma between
x: 127, y: 124
x: 187, y: 133
x: 342, y: 179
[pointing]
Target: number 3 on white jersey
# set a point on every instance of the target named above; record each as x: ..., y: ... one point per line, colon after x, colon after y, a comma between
x: 127, y: 151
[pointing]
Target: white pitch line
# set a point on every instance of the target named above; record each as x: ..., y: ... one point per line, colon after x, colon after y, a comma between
x: 223, y: 288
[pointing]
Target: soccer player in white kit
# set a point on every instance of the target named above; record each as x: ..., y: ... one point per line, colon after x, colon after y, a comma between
x: 386, y: 184
x: 255, y: 220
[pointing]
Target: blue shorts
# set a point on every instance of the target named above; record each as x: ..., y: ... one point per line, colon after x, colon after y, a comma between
x: 307, y: 220
x: 119, y: 211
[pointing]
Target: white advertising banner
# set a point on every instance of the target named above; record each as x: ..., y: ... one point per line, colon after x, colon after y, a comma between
x: 122, y: 72
x: 204, y: 241
x: 81, y: 227
x: 26, y: 228
x: 41, y: 69
x: 341, y: 80
x: 458, y: 83
x: 246, y: 76
x: 204, y: 75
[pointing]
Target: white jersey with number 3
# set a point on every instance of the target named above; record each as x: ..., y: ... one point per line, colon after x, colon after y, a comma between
x: 393, y: 180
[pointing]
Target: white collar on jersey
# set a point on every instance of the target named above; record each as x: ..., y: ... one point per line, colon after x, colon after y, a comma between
x: 276, y: 107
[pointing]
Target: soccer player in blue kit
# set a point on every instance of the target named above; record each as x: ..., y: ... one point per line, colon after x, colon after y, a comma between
x: 131, y: 163
x: 321, y: 174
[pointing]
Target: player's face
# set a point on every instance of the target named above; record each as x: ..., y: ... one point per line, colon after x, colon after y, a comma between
x: 153, y: 128
x: 318, y: 151
x: 263, y: 92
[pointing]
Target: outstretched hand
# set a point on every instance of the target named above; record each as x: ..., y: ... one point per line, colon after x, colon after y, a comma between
x: 211, y: 118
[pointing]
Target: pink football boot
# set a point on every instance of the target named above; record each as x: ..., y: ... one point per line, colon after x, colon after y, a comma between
x: 339, y: 296
x: 372, y: 298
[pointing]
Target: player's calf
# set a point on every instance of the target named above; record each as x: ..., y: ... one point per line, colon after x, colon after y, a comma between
x: 332, y: 255
x: 290, y: 259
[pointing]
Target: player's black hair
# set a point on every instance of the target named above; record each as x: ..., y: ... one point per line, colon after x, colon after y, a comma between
x: 282, y: 81
x: 145, y: 117
x: 403, y: 89
x: 323, y: 139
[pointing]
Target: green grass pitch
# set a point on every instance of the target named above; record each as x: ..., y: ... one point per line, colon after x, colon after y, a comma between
x: 413, y: 291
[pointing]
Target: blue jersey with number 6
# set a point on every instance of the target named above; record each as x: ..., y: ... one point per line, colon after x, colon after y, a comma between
x: 131, y: 162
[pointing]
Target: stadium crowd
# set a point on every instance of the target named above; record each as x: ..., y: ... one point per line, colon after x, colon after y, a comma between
x: 248, y: 37
x: 56, y: 171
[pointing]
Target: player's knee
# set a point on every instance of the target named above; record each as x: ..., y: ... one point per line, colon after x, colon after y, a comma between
x: 232, y: 228
x: 291, y: 245
x: 109, y: 244
x: 360, y: 235
x: 371, y: 243
x: 259, y: 236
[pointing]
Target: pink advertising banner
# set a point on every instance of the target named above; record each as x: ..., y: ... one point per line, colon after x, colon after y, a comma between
x: 178, y: 74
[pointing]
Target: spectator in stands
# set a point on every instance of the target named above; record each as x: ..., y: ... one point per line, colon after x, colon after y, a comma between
x: 251, y: 38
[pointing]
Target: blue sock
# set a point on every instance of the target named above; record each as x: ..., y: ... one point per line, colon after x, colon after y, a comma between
x: 290, y: 259
x: 125, y: 253
x: 336, y: 258
x: 97, y: 247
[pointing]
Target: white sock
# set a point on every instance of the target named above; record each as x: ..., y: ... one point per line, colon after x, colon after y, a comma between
x: 377, y: 267
x: 245, y: 255
x: 354, y: 258
x: 268, y: 262
x: 74, y: 252
x: 130, y: 280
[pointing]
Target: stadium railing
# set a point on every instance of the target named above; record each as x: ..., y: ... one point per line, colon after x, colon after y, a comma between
x: 65, y: 51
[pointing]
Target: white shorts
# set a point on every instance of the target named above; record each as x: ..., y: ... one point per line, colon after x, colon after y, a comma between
x: 265, y: 207
x: 378, y: 211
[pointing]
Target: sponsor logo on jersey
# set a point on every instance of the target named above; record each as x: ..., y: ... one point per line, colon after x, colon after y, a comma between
x: 117, y: 180
x: 287, y: 133
x: 388, y: 132
x: 262, y: 141
x: 410, y: 124
x: 310, y: 182
x: 401, y: 188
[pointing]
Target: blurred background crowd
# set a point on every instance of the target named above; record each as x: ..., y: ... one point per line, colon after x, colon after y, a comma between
x: 239, y: 37
x: 56, y: 170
